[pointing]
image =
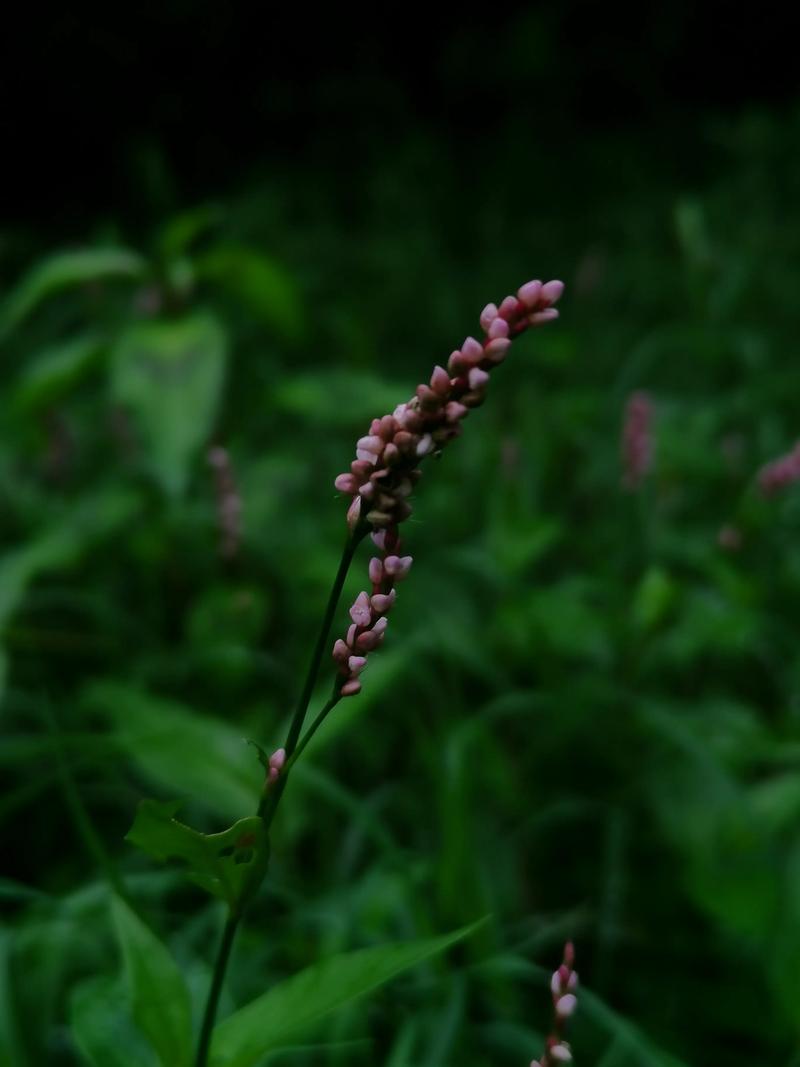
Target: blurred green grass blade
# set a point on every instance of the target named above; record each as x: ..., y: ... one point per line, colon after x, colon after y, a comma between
x: 64, y: 269
x: 159, y: 997
x: 102, y: 1028
x: 257, y: 281
x: 228, y: 865
x: 51, y: 373
x: 301, y: 1001
x: 169, y: 374
x: 180, y: 750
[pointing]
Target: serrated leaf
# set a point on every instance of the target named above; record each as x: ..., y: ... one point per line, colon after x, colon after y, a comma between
x: 159, y: 997
x: 102, y: 1028
x: 179, y: 749
x: 64, y: 269
x: 296, y: 1004
x: 169, y: 374
x: 229, y: 865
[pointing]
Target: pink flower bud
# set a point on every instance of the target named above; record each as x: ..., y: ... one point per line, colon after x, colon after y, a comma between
x: 379, y: 538
x: 278, y: 758
x: 478, y: 378
x: 360, y: 612
x: 367, y: 641
x: 496, y: 350
x: 472, y: 351
x: 440, y: 381
x: 424, y: 445
x: 551, y: 292
x: 375, y: 570
x: 566, y: 1005
x: 367, y: 490
x: 560, y: 1053
x: 341, y: 653
x: 488, y: 315
x: 351, y: 635
x: 499, y: 328
x: 539, y: 318
x: 362, y: 468
x: 370, y: 443
x: 509, y: 308
x: 354, y: 513
x: 346, y: 483
x: 397, y: 567
x: 529, y: 293
x: 365, y: 456
x: 455, y: 411
x: 458, y: 363
x: 382, y: 602
x: 386, y: 427
x: 391, y: 453
x: 349, y: 689
x: 380, y: 625
x: 357, y: 664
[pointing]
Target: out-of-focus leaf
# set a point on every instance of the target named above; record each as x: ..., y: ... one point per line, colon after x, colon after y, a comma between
x: 336, y: 398
x: 102, y: 1028
x: 653, y: 598
x: 262, y: 284
x: 229, y: 865
x: 180, y: 750
x: 169, y: 374
x: 180, y: 232
x: 65, y: 269
x: 54, y: 371
x: 293, y: 1006
x: 159, y: 997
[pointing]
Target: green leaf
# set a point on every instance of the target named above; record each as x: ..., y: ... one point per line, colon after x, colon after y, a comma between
x: 102, y: 1027
x: 169, y: 374
x: 159, y: 997
x: 55, y: 370
x: 262, y: 284
x: 64, y: 269
x: 229, y: 865
x: 180, y: 750
x: 301, y: 1001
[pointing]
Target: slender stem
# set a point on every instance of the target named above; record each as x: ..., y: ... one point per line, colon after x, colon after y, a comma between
x: 270, y: 799
x: 315, y: 725
x: 220, y: 966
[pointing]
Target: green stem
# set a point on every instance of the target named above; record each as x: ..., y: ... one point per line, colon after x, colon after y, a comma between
x: 270, y: 799
x: 315, y: 725
x: 220, y: 966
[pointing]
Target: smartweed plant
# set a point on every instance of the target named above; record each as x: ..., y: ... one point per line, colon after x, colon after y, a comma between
x: 232, y: 864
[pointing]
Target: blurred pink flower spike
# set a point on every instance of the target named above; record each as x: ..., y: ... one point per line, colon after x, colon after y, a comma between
x: 781, y: 472
x: 637, y: 440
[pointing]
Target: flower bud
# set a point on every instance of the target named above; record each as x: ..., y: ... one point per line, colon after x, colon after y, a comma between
x: 350, y: 688
x: 360, y: 612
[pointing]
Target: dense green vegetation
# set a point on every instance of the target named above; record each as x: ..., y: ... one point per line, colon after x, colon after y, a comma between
x: 585, y: 721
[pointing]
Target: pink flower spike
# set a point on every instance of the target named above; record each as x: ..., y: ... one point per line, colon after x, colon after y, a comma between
x: 375, y: 570
x: 472, y: 351
x: 488, y: 315
x: 499, y: 328
x: 349, y: 689
x: 346, y: 483
x: 357, y: 664
x: 360, y: 612
x: 551, y: 292
x: 478, y: 378
x: 440, y: 381
x: 529, y: 293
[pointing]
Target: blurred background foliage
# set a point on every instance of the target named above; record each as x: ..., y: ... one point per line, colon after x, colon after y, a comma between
x: 585, y: 721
